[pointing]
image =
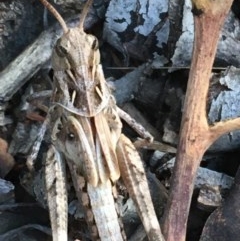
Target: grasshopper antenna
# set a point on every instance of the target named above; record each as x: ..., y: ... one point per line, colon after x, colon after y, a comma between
x: 55, y: 14
x: 84, y: 13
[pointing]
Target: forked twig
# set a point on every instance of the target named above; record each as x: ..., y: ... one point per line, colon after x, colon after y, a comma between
x: 196, y: 134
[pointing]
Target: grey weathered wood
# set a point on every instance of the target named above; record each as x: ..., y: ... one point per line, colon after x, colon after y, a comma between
x: 135, y: 28
x: 226, y: 105
x: 175, y: 12
x: 204, y: 176
x: 6, y: 191
x: 130, y: 82
x: 228, y: 45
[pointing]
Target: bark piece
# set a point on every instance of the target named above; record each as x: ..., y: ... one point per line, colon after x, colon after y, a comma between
x: 226, y: 105
x: 130, y: 82
x: 20, y: 23
x: 223, y: 223
x: 175, y: 13
x: 137, y: 28
x: 71, y: 7
x: 30, y: 232
x: 204, y: 176
x: 13, y: 216
x: 6, y: 192
x: 24, y: 137
x: 228, y: 44
x: 209, y: 197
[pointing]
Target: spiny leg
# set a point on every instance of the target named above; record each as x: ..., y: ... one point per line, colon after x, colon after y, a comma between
x: 133, y: 175
x: 55, y: 179
x: 136, y: 126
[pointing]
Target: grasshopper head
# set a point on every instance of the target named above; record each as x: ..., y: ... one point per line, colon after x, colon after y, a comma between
x: 75, y: 49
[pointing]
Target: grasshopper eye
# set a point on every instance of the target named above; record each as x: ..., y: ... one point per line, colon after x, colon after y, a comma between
x: 61, y: 51
x: 95, y: 44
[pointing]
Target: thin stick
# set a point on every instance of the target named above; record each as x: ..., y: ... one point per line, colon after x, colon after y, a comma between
x: 84, y: 13
x: 55, y: 14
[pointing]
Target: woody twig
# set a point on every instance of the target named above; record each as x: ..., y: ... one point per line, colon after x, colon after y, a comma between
x: 196, y: 134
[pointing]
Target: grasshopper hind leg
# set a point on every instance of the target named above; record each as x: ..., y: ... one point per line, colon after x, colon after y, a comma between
x: 133, y: 175
x: 55, y: 179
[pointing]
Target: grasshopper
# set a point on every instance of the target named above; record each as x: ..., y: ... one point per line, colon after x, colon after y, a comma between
x: 87, y: 133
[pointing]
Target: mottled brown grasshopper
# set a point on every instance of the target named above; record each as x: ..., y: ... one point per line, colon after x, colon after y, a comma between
x: 86, y: 131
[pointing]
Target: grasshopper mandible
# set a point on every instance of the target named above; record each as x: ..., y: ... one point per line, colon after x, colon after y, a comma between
x: 86, y: 129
